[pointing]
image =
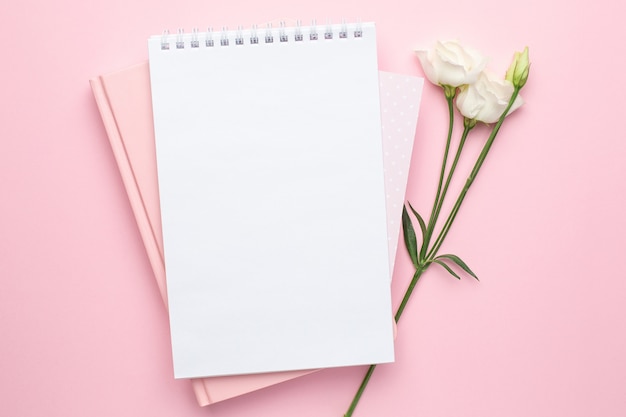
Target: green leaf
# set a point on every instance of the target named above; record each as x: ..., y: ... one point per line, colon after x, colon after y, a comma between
x: 460, y: 263
x: 447, y: 268
x: 409, y: 236
x: 420, y: 221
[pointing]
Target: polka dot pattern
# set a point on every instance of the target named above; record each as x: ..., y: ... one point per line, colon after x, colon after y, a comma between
x: 399, y: 104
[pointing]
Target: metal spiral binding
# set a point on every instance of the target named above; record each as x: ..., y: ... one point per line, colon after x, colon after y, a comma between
x: 224, y: 39
x: 343, y: 33
x: 283, y: 34
x: 358, y: 33
x: 328, y: 33
x: 209, y: 38
x: 298, y: 36
x: 240, y: 36
x: 269, y: 38
x: 313, y: 34
x: 164, y: 43
x: 195, y: 43
x: 180, y: 44
x: 254, y: 38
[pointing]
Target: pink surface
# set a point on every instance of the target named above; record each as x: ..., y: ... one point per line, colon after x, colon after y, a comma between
x: 543, y: 333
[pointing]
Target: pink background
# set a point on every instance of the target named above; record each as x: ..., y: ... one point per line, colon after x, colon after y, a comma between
x: 83, y: 330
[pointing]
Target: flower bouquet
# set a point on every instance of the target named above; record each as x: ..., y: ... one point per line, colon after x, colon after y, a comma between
x: 480, y: 96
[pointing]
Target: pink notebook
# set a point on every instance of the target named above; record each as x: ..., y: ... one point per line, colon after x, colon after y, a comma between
x: 124, y: 101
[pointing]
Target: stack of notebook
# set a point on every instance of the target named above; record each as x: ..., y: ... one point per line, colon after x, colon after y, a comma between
x: 266, y: 169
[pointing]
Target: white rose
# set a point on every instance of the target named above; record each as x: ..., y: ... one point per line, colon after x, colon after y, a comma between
x: 448, y: 63
x: 486, y: 99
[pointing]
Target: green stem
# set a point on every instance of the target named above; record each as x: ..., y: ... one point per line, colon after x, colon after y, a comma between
x: 432, y: 220
x: 359, y: 393
x: 471, y: 178
x: 370, y: 370
x: 451, y: 173
x: 416, y: 276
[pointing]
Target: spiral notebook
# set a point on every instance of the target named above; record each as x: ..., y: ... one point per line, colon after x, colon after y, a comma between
x: 124, y: 100
x: 270, y: 169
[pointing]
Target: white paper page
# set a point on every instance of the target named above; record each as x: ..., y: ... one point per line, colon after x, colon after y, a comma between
x: 273, y: 205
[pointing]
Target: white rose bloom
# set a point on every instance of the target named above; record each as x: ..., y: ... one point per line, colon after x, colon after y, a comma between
x: 448, y: 63
x: 487, y: 98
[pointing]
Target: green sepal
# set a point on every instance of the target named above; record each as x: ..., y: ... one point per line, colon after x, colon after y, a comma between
x: 454, y: 274
x: 409, y: 237
x: 460, y: 263
x: 449, y: 91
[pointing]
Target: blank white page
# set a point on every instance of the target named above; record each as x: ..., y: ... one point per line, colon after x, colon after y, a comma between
x: 272, y: 196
